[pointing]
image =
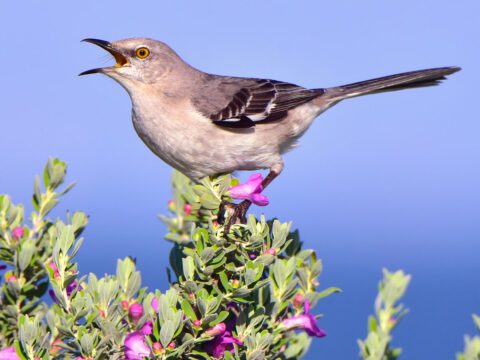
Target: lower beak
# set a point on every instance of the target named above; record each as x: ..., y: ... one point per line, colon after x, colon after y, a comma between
x: 119, y: 57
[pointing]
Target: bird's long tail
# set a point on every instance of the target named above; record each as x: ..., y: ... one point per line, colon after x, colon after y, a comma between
x: 412, y: 79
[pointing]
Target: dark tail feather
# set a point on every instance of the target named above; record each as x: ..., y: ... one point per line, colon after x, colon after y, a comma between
x: 412, y: 79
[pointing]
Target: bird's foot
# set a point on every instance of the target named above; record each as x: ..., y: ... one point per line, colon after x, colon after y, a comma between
x: 230, y: 213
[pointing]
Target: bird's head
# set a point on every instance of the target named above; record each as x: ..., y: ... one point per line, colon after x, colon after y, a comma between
x: 138, y: 61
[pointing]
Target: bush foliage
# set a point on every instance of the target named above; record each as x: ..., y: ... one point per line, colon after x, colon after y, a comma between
x: 245, y: 294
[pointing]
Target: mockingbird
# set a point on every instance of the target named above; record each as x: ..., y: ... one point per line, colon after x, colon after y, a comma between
x: 204, y: 124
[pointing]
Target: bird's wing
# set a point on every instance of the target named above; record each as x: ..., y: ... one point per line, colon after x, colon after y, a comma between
x: 243, y: 103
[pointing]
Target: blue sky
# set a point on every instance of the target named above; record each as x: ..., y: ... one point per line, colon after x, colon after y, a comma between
x: 390, y: 180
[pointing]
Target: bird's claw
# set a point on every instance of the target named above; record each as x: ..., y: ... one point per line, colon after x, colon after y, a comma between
x: 230, y: 213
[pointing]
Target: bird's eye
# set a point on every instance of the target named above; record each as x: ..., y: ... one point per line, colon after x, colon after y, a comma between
x: 142, y: 52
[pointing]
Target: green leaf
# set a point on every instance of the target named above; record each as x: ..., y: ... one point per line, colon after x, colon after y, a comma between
x: 188, y: 310
x: 166, y: 333
x: 207, y: 255
x: 221, y: 317
x: 25, y: 255
x: 19, y: 350
x: 328, y: 291
x: 188, y: 268
x: 224, y: 280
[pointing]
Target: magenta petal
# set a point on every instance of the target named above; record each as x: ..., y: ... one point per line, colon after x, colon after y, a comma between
x: 8, y: 354
x: 313, y: 330
x: 73, y: 286
x: 135, y: 346
x: 216, y: 330
x: 255, y: 178
x: 242, y: 191
x: 305, y: 322
x: 306, y: 307
x: 220, y: 344
x: 147, y: 328
x: 52, y: 296
x: 252, y: 186
x: 135, y: 311
x: 259, y: 199
x: 154, y: 304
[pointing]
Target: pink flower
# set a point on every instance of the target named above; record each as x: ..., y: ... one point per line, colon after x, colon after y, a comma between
x: 222, y: 342
x: 154, y: 304
x: 102, y: 313
x: 74, y: 285
x: 135, y: 312
x: 271, y: 251
x: 8, y: 354
x: 298, y: 300
x: 305, y: 322
x: 147, y: 328
x: 218, y: 329
x: 187, y: 208
x: 235, y: 283
x: 55, y: 349
x: 251, y: 190
x: 18, y: 232
x: 56, y: 273
x: 157, y: 348
x: 136, y: 347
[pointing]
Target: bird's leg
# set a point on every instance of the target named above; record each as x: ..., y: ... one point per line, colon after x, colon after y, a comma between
x: 271, y: 175
x: 238, y: 211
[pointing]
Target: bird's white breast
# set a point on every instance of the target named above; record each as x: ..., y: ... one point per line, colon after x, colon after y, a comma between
x: 191, y: 143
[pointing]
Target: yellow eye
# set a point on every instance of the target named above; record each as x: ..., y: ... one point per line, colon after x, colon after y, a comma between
x: 142, y: 52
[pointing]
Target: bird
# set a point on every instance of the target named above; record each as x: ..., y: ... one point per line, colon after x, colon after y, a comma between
x: 205, y: 125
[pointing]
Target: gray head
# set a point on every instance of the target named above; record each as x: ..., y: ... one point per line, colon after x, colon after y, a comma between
x: 139, y: 61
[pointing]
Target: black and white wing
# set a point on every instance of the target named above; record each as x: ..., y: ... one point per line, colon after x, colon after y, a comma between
x: 243, y: 103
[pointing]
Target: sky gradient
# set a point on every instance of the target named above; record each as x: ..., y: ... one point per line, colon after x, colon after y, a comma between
x: 390, y: 180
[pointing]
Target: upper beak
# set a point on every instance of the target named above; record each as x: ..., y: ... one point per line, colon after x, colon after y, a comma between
x: 119, y: 57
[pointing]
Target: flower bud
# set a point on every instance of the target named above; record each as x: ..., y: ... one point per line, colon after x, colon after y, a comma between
x: 154, y: 304
x: 197, y: 323
x: 171, y: 205
x: 135, y: 312
x: 56, y: 273
x: 235, y: 283
x: 157, y: 348
x: 55, y: 348
x: 125, y: 305
x: 172, y: 345
x: 187, y: 208
x: 18, y: 233
x: 147, y: 328
x: 103, y: 313
x: 298, y: 300
x: 271, y: 251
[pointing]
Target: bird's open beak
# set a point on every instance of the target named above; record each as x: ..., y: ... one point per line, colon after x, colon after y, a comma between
x: 120, y: 59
